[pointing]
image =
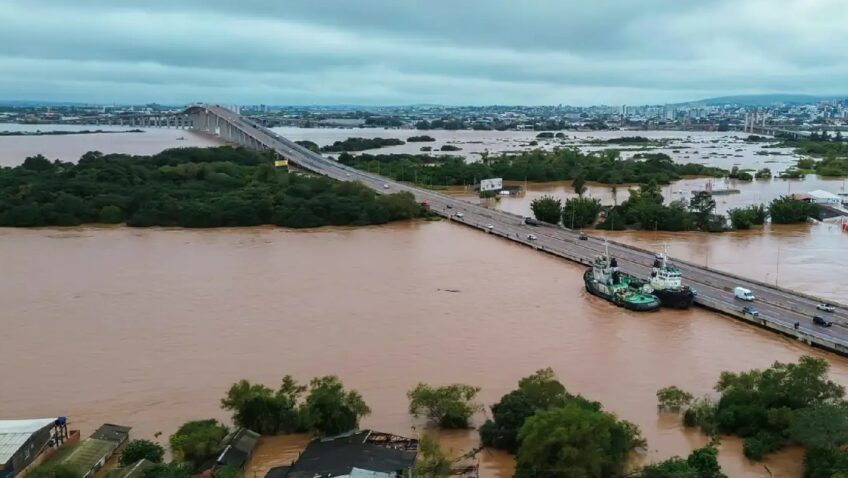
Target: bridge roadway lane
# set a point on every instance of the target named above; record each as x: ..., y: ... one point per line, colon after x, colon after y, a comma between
x: 715, y: 289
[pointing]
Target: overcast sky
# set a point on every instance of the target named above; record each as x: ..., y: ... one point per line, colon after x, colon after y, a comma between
x: 464, y: 52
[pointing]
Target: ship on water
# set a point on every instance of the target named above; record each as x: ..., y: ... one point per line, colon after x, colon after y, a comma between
x: 606, y: 281
x: 667, y: 283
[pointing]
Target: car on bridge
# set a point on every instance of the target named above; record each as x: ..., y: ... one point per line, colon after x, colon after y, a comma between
x: 531, y: 237
x: 459, y: 215
x: 583, y: 236
x: 490, y: 226
x: 825, y: 307
x: 386, y: 186
x: 748, y: 310
x: 819, y: 320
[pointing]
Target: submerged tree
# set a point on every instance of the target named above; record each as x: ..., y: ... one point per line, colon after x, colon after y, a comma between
x: 450, y: 406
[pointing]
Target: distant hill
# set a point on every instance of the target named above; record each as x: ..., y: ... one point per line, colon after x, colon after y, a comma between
x: 765, y: 100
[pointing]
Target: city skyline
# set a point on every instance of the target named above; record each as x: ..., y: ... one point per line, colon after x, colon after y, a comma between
x: 438, y: 52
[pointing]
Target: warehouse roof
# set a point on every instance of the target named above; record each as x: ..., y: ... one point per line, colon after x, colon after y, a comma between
x: 15, y: 433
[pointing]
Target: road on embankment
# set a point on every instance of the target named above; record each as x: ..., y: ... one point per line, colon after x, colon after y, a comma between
x: 779, y: 309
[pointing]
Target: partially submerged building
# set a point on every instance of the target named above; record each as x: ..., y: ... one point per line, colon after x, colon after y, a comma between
x: 93, y: 452
x: 24, y: 442
x: 361, y: 454
x: 237, y: 448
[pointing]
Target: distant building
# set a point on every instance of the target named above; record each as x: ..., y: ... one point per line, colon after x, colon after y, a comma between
x: 363, y: 454
x: 23, y: 441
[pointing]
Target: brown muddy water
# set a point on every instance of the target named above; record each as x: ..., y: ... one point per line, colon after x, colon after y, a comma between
x: 14, y: 149
x: 150, y: 327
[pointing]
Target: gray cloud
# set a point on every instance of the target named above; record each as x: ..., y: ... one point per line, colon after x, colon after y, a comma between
x: 435, y: 51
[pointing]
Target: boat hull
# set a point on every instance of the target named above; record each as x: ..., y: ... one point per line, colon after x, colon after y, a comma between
x: 676, y: 299
x: 635, y: 306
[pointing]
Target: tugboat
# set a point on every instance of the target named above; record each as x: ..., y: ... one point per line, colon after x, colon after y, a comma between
x: 667, y: 284
x: 607, y: 282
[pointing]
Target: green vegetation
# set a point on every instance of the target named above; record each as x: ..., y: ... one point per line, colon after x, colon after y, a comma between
x: 169, y: 470
x: 420, y: 139
x: 310, y: 145
x: 745, y: 217
x: 432, y: 461
x: 787, y: 210
x: 575, y: 441
x: 545, y: 135
x: 141, y: 449
x: 832, y: 150
x: 701, y: 463
x: 450, y: 147
x: 263, y: 410
x: 54, y: 470
x: 547, y: 209
x: 581, y: 212
x: 741, y: 175
x: 196, y: 441
x: 559, y: 165
x: 673, y: 399
x: 327, y: 410
x: 639, y: 140
x: 360, y: 144
x: 702, y: 205
x: 764, y: 173
x: 450, y: 406
x: 785, y: 404
x: 540, y: 391
x: 189, y: 187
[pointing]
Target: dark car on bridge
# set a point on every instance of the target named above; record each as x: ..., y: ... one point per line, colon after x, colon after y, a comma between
x: 819, y: 320
x: 750, y: 311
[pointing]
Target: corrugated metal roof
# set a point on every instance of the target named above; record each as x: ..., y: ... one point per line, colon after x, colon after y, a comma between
x: 14, y: 433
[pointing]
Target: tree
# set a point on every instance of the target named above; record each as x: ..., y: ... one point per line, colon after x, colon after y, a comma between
x: 141, y: 449
x: 821, y: 426
x: 579, y: 185
x: 788, y: 210
x: 702, y: 206
x: 745, y: 217
x: 547, y: 209
x: 573, y: 441
x: 197, y: 440
x: 432, y: 461
x: 701, y: 463
x: 673, y: 398
x: 450, y: 406
x: 111, y: 214
x: 329, y: 409
x: 540, y: 391
x: 168, y: 470
x: 581, y: 212
x: 54, y: 470
x: 262, y: 410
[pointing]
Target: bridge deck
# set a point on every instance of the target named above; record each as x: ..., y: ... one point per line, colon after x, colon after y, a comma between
x: 779, y: 308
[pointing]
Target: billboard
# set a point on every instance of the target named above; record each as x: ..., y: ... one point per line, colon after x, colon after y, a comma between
x: 493, y: 184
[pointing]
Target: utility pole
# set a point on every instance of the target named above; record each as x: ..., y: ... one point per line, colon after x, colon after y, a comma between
x: 777, y: 273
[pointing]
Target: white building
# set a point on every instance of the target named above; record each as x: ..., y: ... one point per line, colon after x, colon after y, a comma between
x: 823, y: 197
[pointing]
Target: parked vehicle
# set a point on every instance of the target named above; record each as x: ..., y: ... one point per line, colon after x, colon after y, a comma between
x: 825, y: 307
x: 819, y: 320
x: 748, y: 310
x: 743, y: 294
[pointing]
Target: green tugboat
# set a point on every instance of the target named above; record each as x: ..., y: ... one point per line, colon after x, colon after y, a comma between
x: 607, y: 282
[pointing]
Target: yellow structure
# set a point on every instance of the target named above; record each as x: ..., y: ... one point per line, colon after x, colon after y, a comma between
x: 281, y: 163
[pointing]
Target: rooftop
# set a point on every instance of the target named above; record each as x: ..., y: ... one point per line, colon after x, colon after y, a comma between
x: 14, y: 433
x: 360, y: 453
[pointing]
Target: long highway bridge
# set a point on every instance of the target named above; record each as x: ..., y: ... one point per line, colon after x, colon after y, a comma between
x: 779, y: 309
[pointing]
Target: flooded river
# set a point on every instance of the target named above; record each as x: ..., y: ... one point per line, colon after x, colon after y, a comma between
x: 149, y: 328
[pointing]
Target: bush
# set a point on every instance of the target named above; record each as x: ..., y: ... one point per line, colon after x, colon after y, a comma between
x: 111, y: 215
x: 197, y: 440
x: 673, y: 398
x: 141, y: 449
x: 450, y: 406
x: 329, y: 409
x: 787, y: 210
x: 54, y: 470
x: 547, y: 209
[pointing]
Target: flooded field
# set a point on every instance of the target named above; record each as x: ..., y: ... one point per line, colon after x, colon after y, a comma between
x: 149, y: 328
